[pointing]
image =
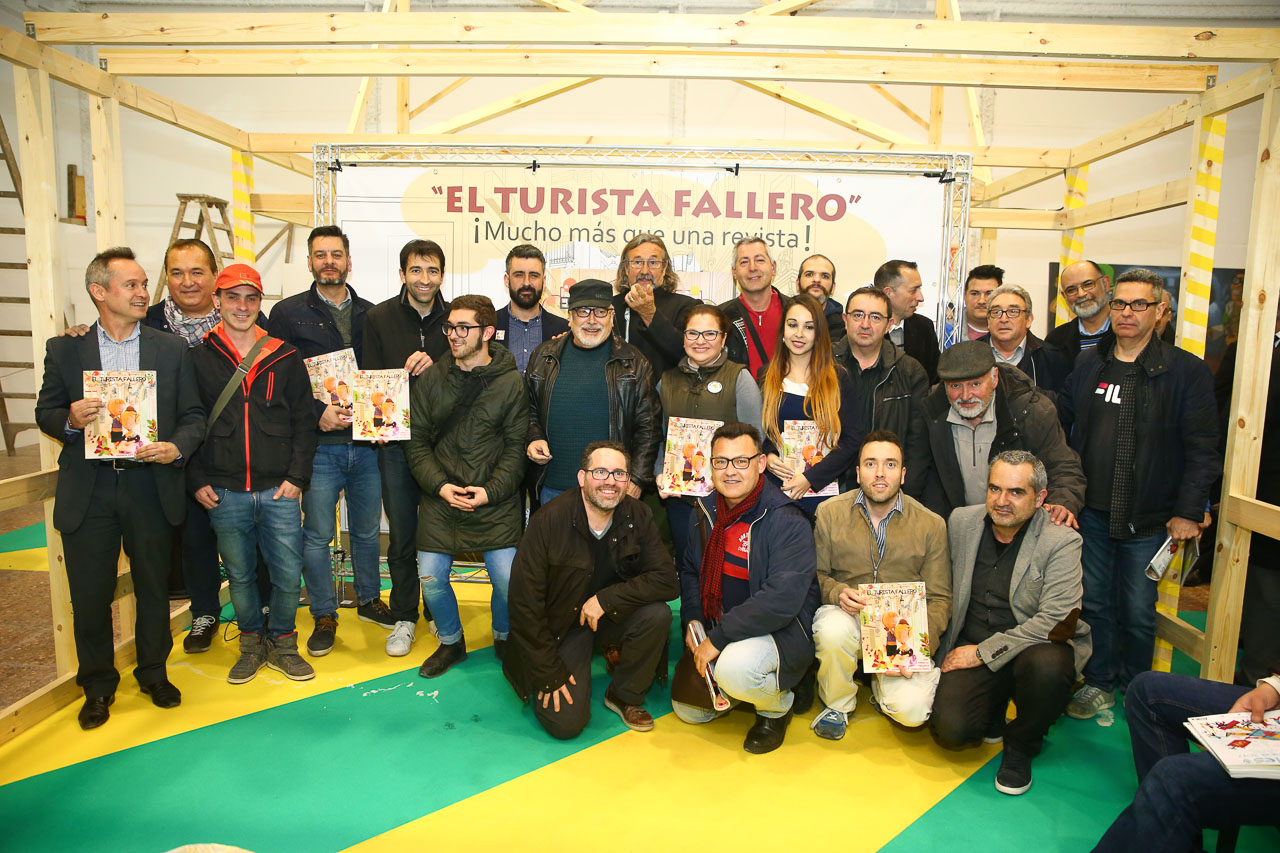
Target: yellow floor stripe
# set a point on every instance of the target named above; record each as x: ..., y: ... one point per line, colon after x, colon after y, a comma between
x: 30, y: 560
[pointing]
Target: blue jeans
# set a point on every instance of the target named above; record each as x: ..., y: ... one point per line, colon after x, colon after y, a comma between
x: 245, y: 523
x: 433, y: 570
x: 1119, y: 602
x: 548, y: 494
x: 747, y: 671
x: 400, y: 496
x: 1181, y: 792
x: 337, y: 468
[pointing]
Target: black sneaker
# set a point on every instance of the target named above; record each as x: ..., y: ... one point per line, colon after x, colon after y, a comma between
x: 377, y: 612
x: 1014, y: 776
x: 499, y: 648
x: 320, y: 643
x: 203, y: 630
x: 442, y: 658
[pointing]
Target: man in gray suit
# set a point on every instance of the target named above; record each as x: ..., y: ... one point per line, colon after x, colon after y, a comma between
x: 1015, y: 630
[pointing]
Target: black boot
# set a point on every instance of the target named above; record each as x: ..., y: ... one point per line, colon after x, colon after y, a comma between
x: 767, y: 734
x: 444, y: 657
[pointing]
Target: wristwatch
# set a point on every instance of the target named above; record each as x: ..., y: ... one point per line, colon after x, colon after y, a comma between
x: 977, y: 652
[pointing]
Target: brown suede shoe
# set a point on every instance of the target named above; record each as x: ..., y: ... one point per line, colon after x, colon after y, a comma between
x: 636, y: 717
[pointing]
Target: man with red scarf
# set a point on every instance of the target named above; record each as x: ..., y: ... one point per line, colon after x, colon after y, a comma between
x: 748, y: 574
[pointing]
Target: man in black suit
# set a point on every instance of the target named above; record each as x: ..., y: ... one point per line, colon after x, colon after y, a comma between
x: 522, y: 324
x: 99, y: 504
x: 910, y: 332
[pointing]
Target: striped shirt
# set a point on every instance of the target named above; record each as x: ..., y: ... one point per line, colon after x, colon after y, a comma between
x: 879, y: 530
x: 119, y: 355
x: 1088, y: 341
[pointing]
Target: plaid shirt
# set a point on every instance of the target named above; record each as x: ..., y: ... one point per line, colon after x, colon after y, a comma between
x: 119, y: 355
x: 879, y: 530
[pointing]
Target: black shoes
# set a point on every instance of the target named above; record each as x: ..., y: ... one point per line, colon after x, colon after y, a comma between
x: 320, y: 643
x: 444, y: 657
x: 499, y: 648
x: 94, y: 711
x: 377, y: 612
x: 1014, y: 776
x: 163, y: 694
x: 203, y: 630
x: 767, y: 734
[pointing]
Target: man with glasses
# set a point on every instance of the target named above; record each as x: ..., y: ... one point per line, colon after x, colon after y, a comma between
x: 1086, y: 291
x: 891, y: 385
x: 469, y: 416
x: 747, y: 574
x: 647, y: 307
x: 523, y: 325
x: 1142, y: 416
x: 590, y: 386
x: 817, y: 277
x: 560, y: 612
x: 1012, y: 341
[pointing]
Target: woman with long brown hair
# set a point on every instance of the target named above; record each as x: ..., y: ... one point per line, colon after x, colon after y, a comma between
x: 803, y: 383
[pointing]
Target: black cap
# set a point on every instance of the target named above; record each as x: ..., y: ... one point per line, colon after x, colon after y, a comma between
x: 966, y: 360
x: 590, y: 293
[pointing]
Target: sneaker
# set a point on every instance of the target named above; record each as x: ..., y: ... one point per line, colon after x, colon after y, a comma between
x: 320, y: 643
x: 253, y: 654
x: 1088, y: 701
x: 283, y: 657
x: 995, y: 730
x: 442, y: 658
x: 1014, y: 776
x: 400, y: 640
x: 830, y: 724
x: 203, y: 630
x: 431, y: 626
x: 377, y: 612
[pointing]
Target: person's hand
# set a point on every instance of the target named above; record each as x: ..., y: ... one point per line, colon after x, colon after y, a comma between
x: 162, y: 452
x: 591, y: 613
x: 554, y: 696
x: 539, y: 452
x: 898, y: 671
x: 1257, y: 701
x: 851, y: 601
x: 75, y: 331
x: 961, y: 657
x: 84, y: 412
x: 777, y: 467
x: 633, y: 489
x: 334, y: 419
x: 796, y: 486
x: 704, y: 654
x: 640, y: 299
x: 1060, y: 515
x: 287, y: 490
x: 457, y: 497
x: 1208, y: 520
x: 417, y: 362
x: 206, y: 497
x: 475, y: 496
x: 1181, y: 529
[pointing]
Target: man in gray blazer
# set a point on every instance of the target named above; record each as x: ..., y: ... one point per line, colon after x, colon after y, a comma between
x: 1015, y: 631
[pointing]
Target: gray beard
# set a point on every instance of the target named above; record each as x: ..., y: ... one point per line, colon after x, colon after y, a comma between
x: 1087, y: 314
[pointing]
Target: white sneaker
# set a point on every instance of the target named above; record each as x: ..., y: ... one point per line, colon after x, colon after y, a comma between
x: 1088, y: 701
x: 431, y: 626
x: 400, y: 640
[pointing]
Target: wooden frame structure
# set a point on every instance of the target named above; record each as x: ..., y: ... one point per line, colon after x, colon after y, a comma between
x: 767, y: 49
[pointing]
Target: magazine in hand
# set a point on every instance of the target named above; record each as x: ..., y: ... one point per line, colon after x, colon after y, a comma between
x: 332, y: 375
x: 686, y: 464
x: 718, y: 700
x: 1160, y: 563
x: 381, y: 405
x: 802, y: 448
x: 127, y: 419
x: 895, y: 627
x: 1245, y: 749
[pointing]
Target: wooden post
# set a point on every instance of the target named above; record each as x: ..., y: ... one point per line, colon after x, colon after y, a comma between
x: 108, y: 172
x: 1249, y: 397
x: 40, y: 208
x: 987, y: 242
x: 1199, y: 233
x: 1072, y: 238
x: 402, y: 87
x: 242, y: 223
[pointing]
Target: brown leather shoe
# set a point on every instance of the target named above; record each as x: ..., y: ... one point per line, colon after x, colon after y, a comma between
x: 636, y: 717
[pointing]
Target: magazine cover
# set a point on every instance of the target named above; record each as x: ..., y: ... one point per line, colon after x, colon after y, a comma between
x: 686, y: 464
x: 802, y: 448
x: 381, y: 405
x: 895, y: 628
x: 331, y: 376
x: 1245, y: 749
x: 127, y: 420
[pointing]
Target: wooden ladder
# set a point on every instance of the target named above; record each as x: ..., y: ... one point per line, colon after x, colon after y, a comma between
x: 205, y: 228
x: 9, y: 429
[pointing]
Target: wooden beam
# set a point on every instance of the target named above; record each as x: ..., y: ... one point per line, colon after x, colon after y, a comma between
x: 687, y: 64
x: 27, y: 489
x: 830, y: 112
x: 452, y: 87
x: 758, y: 31
x: 558, y: 5
x: 402, y: 83
x: 1252, y: 514
x: 509, y: 104
x: 1200, y: 232
x: 108, y: 172
x: 906, y: 110
x: 1145, y: 200
x: 782, y: 7
x: 1071, y: 244
x: 1018, y: 181
x: 1014, y: 218
x: 295, y: 208
x: 361, y: 106
x: 1181, y: 634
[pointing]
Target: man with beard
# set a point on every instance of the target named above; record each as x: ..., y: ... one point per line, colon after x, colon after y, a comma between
x: 560, y: 612
x: 405, y: 331
x: 590, y: 386
x: 756, y: 314
x: 906, y: 542
x: 980, y: 409
x: 817, y: 278
x: 910, y: 332
x: 326, y: 318
x: 647, y: 308
x: 522, y: 324
x: 1087, y: 292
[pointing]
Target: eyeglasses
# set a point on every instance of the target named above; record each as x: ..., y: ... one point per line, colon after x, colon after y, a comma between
x: 641, y: 263
x: 1072, y: 290
x: 588, y: 313
x: 462, y: 329
x: 1011, y: 313
x: 604, y: 474
x: 1137, y: 305
x: 739, y: 462
x: 859, y: 316
x: 708, y: 335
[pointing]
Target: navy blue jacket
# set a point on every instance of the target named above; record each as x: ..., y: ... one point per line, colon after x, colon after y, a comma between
x: 1044, y: 364
x: 552, y: 325
x: 782, y: 577
x: 157, y: 320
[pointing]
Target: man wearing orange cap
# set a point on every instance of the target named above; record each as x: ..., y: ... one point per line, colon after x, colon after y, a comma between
x: 251, y: 470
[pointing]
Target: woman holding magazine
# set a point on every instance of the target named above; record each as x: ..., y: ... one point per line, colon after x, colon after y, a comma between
x: 704, y: 386
x: 808, y: 402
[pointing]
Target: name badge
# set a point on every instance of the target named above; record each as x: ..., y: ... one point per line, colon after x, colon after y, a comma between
x: 501, y: 334
x: 715, y: 387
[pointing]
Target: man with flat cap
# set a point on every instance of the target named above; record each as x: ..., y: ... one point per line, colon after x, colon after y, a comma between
x: 590, y: 386
x: 980, y: 409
